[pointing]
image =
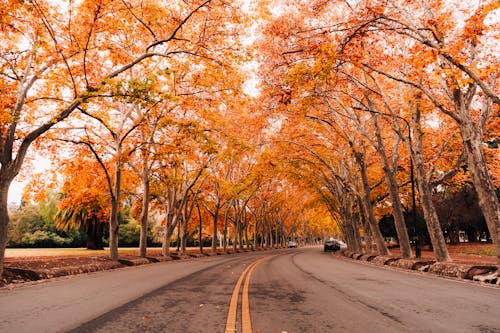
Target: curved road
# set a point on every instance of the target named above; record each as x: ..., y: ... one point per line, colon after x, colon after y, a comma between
x: 294, y: 290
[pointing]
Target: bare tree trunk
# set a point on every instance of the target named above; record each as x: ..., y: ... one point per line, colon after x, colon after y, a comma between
x: 214, y: 234
x: 276, y: 236
x: 115, y: 202
x: 425, y: 194
x: 143, y: 241
x: 200, y: 238
x: 226, y: 218
x: 399, y: 220
x: 271, y: 236
x: 367, y: 206
x: 242, y: 227
x: 368, y: 238
x: 246, y: 238
x: 488, y: 201
x: 255, y: 243
x: 166, y: 241
x: 236, y: 234
x: 4, y: 218
x: 357, y: 242
x: 169, y: 230
x: 348, y: 233
x: 430, y: 214
x: 392, y: 185
x: 185, y: 231
x: 178, y: 242
x: 240, y: 236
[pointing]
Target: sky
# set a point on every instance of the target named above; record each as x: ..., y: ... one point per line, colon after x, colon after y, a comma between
x: 16, y: 192
x: 17, y: 187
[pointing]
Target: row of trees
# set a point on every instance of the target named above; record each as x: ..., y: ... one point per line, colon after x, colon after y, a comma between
x: 390, y: 102
x: 138, y: 102
x: 361, y: 105
x: 94, y: 71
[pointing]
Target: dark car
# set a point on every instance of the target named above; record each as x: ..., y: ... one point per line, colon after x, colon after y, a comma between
x: 332, y: 245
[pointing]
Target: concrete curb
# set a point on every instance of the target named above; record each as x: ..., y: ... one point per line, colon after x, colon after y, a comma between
x: 482, y: 273
x: 134, y: 261
x: 104, y: 263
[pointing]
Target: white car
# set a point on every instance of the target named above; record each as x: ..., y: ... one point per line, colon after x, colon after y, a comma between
x: 342, y: 244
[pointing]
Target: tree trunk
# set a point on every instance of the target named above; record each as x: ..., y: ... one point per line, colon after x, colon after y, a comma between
x: 113, y: 230
x: 367, y: 207
x: 255, y: 243
x: 425, y: 194
x: 430, y: 214
x: 357, y: 237
x: 94, y: 235
x: 246, y: 238
x: 200, y: 226
x: 99, y: 235
x: 278, y: 236
x: 399, y: 220
x: 454, y: 235
x: 178, y: 241
x: 4, y: 219
x: 236, y: 234
x: 185, y: 230
x: 214, y: 234
x: 240, y: 237
x: 169, y: 230
x: 368, y: 238
x: 488, y: 201
x: 115, y: 203
x: 392, y: 185
x: 143, y: 241
x: 226, y: 218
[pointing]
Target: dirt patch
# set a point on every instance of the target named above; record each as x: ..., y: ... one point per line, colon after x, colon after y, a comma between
x: 23, y: 269
x: 463, y: 265
x: 19, y: 270
x: 457, y: 255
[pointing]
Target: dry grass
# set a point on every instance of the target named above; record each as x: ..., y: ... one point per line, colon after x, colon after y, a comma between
x: 64, y: 252
x: 474, y: 248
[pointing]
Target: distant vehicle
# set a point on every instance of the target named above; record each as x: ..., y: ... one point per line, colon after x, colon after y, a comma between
x: 342, y: 244
x: 331, y: 245
x: 292, y: 244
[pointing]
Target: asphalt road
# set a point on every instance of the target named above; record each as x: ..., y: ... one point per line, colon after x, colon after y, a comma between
x: 294, y: 290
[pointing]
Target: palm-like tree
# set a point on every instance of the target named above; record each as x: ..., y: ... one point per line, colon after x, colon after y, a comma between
x: 84, y: 217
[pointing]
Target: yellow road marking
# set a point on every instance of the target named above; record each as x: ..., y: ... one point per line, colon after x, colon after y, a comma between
x: 233, y: 305
x: 246, y: 321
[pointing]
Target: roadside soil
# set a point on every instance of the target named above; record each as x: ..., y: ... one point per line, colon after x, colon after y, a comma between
x: 23, y: 268
x: 457, y: 254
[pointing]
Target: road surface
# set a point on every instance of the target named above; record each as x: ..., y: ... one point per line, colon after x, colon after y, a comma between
x: 292, y: 290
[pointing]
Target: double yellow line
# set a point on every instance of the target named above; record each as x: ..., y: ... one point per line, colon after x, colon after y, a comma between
x: 246, y: 322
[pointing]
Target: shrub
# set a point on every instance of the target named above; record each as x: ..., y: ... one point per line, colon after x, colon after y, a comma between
x: 41, y: 238
x: 129, y: 234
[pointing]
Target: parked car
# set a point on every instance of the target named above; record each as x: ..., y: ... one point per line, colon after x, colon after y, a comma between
x: 331, y: 245
x: 342, y: 244
x: 292, y: 244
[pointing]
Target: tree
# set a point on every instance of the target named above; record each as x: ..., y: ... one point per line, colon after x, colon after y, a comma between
x: 454, y: 72
x: 58, y: 58
x: 83, y: 205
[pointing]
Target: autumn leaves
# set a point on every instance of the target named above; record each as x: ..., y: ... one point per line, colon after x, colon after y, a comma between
x: 113, y: 80
x: 372, y: 88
